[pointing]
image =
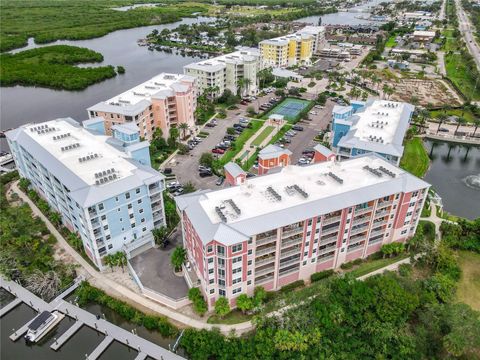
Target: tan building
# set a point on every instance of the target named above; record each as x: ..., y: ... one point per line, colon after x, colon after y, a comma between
x: 289, y: 50
x: 165, y: 101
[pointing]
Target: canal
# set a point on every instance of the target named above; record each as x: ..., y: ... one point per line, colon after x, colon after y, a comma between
x: 455, y: 174
x: 82, y: 343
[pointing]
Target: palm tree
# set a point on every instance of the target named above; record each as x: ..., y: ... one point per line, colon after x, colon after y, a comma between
x: 461, y: 121
x: 110, y: 260
x: 160, y: 235
x: 121, y: 259
x: 75, y: 241
x: 184, y: 128
x: 178, y: 258
x: 55, y: 218
x: 441, y: 118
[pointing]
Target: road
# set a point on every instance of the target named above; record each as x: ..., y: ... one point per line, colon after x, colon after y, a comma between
x: 467, y: 29
x: 442, y: 10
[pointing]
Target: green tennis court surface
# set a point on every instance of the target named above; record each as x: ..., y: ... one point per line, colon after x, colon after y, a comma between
x: 290, y: 108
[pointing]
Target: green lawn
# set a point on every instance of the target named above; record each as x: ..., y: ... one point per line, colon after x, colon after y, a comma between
x: 415, y: 158
x: 391, y: 42
x: 372, y: 265
x: 467, y: 114
x: 461, y: 76
x: 239, y: 142
x: 263, y: 135
x: 234, y: 317
x: 469, y: 286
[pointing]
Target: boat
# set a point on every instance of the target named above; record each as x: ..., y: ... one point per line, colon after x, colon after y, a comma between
x: 5, y: 158
x: 42, y: 324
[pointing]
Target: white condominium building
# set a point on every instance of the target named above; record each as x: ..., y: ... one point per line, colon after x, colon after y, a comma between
x: 318, y: 33
x: 236, y: 72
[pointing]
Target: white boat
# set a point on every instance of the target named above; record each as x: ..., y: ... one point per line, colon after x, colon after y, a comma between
x: 42, y: 324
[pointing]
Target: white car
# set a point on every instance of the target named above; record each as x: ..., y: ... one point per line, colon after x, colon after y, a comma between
x: 313, y: 113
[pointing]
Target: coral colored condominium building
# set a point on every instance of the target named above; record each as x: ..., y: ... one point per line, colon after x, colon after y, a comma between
x: 165, y: 101
x: 279, y: 228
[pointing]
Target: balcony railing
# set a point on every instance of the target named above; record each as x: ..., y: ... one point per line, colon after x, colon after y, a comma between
x: 265, y: 261
x: 155, y: 198
x: 361, y: 220
x: 328, y: 221
x: 326, y: 250
x: 266, y: 240
x: 381, y: 213
x: 383, y: 204
x: 377, y: 232
x: 379, y: 223
x: 289, y: 262
x: 292, y: 232
x: 329, y: 231
x: 357, y: 239
x: 265, y: 251
x: 328, y: 239
x: 363, y: 210
x: 262, y: 280
x: 285, y: 254
x: 285, y: 272
x: 291, y: 242
x: 264, y: 271
x: 358, y: 230
x: 326, y: 258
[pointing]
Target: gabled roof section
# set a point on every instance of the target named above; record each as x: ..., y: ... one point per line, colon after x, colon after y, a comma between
x: 272, y: 151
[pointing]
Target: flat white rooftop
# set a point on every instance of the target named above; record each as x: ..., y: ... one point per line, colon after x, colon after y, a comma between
x: 380, y: 120
x: 163, y: 82
x: 256, y: 198
x: 71, y: 145
x: 237, y: 57
x: 283, y: 40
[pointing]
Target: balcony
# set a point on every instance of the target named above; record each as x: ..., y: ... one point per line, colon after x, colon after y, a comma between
x: 291, y: 242
x: 328, y: 221
x: 263, y: 279
x: 157, y: 208
x: 266, y: 271
x: 322, y: 259
x: 329, y: 239
x: 265, y: 251
x: 288, y: 253
x: 383, y: 204
x: 357, y: 239
x: 379, y: 223
x: 363, y: 210
x: 154, y: 189
x: 327, y: 249
x: 288, y: 271
x: 377, y: 232
x: 290, y: 262
x: 266, y: 240
x: 329, y: 231
x: 265, y: 261
x: 355, y: 247
x: 92, y: 212
x: 361, y: 220
x: 358, y: 230
x: 292, y: 232
x: 155, y: 198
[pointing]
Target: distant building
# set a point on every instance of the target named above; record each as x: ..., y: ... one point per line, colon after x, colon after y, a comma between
x: 322, y: 154
x: 289, y: 75
x: 398, y: 64
x: 234, y: 174
x: 164, y: 101
x: 318, y: 33
x: 289, y: 50
x: 103, y: 187
x: 280, y: 228
x: 377, y: 126
x: 227, y: 72
x: 271, y: 157
x: 423, y: 36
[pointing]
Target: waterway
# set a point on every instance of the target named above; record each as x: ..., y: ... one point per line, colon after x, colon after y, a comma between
x: 357, y: 15
x: 455, y: 174
x: 82, y: 343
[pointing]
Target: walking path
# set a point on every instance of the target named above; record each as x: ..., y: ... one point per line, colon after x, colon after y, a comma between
x: 117, y: 290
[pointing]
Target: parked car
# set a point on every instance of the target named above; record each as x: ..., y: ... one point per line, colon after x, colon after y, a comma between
x: 210, y: 125
x: 167, y: 171
x: 229, y: 137
x: 218, y: 151
x: 443, y: 130
x: 250, y: 175
x: 205, y: 174
x: 244, y: 102
x: 297, y: 128
x: 313, y: 113
x: 220, y: 180
x: 204, y: 168
x: 244, y: 121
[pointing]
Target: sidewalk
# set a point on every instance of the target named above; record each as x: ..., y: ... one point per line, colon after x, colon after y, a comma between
x: 114, y: 289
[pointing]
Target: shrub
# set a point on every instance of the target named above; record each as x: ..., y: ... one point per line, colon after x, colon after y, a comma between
x: 357, y: 261
x: 405, y: 270
x: 222, y: 307
x: 292, y: 286
x: 120, y: 69
x: 346, y: 266
x: 321, y: 275
x: 199, y: 303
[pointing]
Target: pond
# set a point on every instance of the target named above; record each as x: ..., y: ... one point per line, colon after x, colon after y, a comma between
x: 455, y: 174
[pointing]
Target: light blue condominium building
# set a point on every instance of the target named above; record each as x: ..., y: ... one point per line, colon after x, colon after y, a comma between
x: 377, y: 126
x: 103, y: 186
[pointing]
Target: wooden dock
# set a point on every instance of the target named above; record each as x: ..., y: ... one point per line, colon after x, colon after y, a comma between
x: 10, y: 306
x: 112, y: 332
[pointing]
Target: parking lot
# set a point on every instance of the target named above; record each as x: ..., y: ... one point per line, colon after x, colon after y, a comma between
x: 304, y: 139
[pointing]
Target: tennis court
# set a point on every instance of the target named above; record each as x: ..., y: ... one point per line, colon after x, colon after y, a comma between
x: 290, y: 108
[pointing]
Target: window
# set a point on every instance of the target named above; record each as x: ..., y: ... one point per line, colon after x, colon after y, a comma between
x: 305, y: 253
x: 139, y: 201
x: 249, y: 262
x: 144, y: 229
x: 209, y: 248
x: 309, y: 222
x: 317, y: 231
x: 100, y: 206
x: 236, y: 281
x: 237, y: 290
x: 249, y: 282
x: 313, y: 260
x: 304, y: 263
x: 116, y: 198
x: 221, y: 282
x: 127, y: 195
x: 105, y: 227
x: 221, y: 250
x: 129, y: 206
x: 249, y: 272
x: 110, y: 246
x: 211, y: 281
x: 250, y: 252
x: 118, y: 209
x: 137, y: 191
x: 237, y: 259
x: 309, y: 233
x: 142, y: 220
x: 130, y: 216
x: 404, y: 232
x: 210, y: 260
x: 103, y: 217
x: 210, y: 271
x: 221, y: 272
x: 108, y: 237
x: 212, y: 291
x: 236, y: 248
x: 221, y: 292
x: 140, y: 211
x: 237, y: 270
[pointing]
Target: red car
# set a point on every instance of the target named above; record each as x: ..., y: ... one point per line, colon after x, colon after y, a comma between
x: 218, y: 151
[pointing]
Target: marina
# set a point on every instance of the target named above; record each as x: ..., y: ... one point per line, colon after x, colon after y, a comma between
x: 81, y: 318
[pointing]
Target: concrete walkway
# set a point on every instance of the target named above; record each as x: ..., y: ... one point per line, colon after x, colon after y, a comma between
x: 117, y: 290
